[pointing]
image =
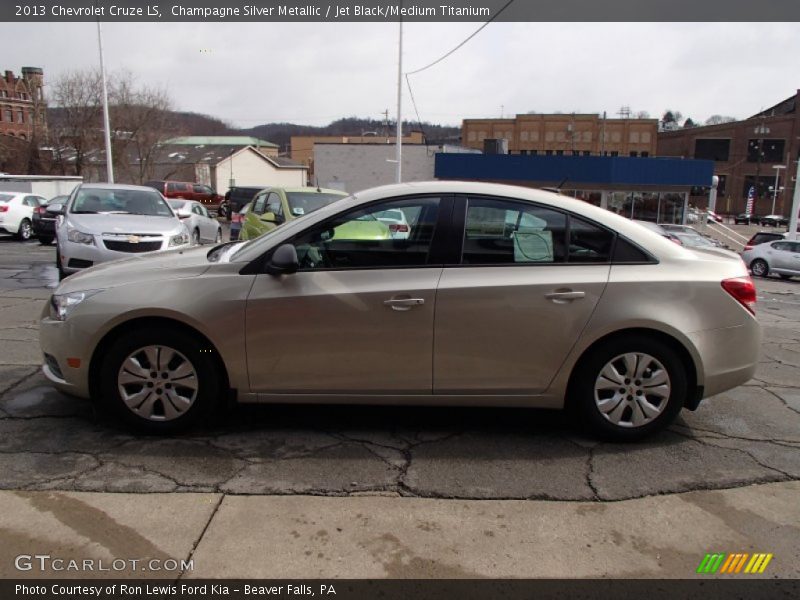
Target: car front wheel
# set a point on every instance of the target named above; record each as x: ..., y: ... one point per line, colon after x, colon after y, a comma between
x: 629, y: 388
x: 759, y: 268
x: 159, y: 381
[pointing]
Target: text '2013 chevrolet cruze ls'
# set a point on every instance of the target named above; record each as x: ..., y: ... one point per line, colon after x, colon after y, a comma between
x: 499, y: 295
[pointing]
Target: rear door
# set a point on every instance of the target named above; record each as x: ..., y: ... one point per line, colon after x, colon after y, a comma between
x: 524, y: 285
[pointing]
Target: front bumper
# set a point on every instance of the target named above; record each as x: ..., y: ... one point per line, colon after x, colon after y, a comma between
x: 66, y: 358
x: 76, y: 257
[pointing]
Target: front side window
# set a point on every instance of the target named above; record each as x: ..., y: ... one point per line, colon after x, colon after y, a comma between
x: 361, y: 239
x: 506, y: 232
x: 784, y: 246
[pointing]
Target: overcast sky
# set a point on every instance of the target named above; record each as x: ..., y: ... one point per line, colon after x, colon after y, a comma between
x: 248, y: 74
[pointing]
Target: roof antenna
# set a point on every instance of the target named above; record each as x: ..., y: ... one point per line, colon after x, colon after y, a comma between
x: 561, y: 184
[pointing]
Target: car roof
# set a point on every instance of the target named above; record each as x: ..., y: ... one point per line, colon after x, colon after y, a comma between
x: 311, y: 189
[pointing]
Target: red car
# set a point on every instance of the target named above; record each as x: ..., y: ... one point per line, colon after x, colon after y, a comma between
x: 186, y: 190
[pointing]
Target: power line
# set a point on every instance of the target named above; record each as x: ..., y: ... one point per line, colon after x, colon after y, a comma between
x: 474, y: 33
x: 414, y: 104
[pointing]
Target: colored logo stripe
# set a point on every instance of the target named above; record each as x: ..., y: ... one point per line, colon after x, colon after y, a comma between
x: 720, y: 562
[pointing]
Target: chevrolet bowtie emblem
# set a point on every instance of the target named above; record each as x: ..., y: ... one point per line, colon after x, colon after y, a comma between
x: 134, y: 239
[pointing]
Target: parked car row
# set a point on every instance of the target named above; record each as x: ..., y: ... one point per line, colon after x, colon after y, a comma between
x: 184, y: 190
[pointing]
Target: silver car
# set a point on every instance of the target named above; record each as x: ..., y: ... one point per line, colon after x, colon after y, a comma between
x: 781, y: 257
x: 500, y: 295
x: 102, y: 222
x: 201, y: 225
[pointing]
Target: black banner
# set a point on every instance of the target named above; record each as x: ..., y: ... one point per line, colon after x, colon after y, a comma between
x: 395, y: 10
x: 731, y: 588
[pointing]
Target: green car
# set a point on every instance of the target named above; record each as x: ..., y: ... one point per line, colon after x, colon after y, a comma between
x: 272, y: 207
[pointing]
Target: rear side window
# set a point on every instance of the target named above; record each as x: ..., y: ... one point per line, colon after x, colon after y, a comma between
x: 507, y: 232
x: 785, y: 246
x: 589, y: 243
x: 627, y: 253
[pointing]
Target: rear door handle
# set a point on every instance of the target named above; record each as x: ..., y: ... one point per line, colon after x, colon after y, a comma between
x: 563, y: 296
x: 403, y: 303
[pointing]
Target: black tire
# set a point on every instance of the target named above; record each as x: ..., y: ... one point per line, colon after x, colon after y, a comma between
x: 25, y: 230
x: 202, y: 362
x: 582, y: 389
x: 759, y: 268
x: 196, y: 237
x: 45, y: 240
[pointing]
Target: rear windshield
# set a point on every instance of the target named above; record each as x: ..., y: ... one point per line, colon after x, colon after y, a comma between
x: 302, y: 203
x: 177, y: 204
x: 117, y: 201
x: 5, y: 197
x: 760, y: 238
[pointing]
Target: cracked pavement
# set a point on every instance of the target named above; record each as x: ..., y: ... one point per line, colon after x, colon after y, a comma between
x: 49, y: 441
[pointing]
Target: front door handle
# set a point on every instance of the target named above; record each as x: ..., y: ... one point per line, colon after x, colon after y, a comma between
x: 564, y: 296
x: 403, y: 303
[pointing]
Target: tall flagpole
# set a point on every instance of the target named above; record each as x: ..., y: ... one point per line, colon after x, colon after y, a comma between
x: 106, y: 124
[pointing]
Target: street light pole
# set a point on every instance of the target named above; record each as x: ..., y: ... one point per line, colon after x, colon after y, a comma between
x: 399, y: 134
x: 775, y: 188
x: 106, y: 124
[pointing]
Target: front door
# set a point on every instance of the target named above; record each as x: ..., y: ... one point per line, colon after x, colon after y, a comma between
x: 358, y: 315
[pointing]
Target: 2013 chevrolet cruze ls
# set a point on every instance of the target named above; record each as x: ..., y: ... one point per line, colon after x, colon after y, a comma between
x: 499, y: 295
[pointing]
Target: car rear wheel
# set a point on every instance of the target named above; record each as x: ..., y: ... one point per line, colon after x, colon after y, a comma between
x: 759, y: 268
x: 25, y: 230
x: 629, y: 388
x: 159, y: 381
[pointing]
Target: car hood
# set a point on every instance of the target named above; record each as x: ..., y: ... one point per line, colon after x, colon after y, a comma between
x: 172, y: 264
x: 100, y: 223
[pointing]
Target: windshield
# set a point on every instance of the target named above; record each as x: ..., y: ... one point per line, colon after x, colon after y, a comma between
x: 302, y: 203
x: 694, y: 241
x: 91, y: 201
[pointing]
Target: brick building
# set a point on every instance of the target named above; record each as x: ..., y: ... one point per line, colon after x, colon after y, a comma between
x: 565, y: 135
x: 745, y: 154
x: 22, y: 104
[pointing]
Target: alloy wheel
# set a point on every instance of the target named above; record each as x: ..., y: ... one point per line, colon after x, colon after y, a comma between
x: 632, y: 390
x: 158, y: 383
x: 25, y: 230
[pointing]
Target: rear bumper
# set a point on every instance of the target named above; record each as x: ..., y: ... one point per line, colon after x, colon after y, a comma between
x: 729, y: 356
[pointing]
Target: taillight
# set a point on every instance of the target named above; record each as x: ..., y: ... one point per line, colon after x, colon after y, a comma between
x: 3, y: 207
x: 742, y: 290
x: 398, y: 228
x: 41, y: 210
x: 747, y: 247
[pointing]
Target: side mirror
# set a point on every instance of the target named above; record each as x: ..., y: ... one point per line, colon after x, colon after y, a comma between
x: 270, y: 217
x: 55, y: 209
x: 284, y: 261
x: 184, y: 213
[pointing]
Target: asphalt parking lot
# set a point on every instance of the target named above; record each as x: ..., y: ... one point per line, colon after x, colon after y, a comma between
x: 53, y: 442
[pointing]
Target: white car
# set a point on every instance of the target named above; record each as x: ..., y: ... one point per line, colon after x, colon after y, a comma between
x: 16, y: 213
x: 202, y: 227
x: 397, y: 222
x: 781, y: 257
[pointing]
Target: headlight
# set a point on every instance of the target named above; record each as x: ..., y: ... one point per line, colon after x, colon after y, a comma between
x: 179, y: 240
x: 61, y: 305
x: 73, y: 235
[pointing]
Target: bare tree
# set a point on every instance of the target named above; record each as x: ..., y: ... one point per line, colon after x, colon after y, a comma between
x: 719, y: 119
x: 76, y: 118
x: 142, y: 119
x: 642, y: 114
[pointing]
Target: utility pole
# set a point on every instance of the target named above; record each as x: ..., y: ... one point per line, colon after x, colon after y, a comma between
x: 399, y: 141
x: 775, y: 187
x: 795, y: 204
x: 106, y: 124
